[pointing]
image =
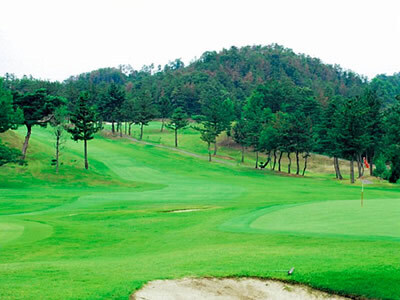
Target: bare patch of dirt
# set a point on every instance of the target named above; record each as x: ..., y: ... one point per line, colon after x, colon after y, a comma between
x: 228, y: 288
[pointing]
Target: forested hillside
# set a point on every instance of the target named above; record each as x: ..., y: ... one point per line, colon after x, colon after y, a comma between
x: 387, y: 87
x: 268, y: 98
x: 232, y: 73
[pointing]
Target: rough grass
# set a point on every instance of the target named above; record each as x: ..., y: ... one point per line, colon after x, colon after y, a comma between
x: 102, y: 233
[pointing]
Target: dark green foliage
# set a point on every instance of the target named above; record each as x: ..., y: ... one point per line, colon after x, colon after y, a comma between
x: 395, y: 168
x: 387, y: 88
x: 112, y: 104
x: 381, y: 170
x: 84, y: 122
x: 392, y: 140
x: 165, y: 109
x: 208, y: 135
x: 178, y: 121
x: 37, y: 108
x: 9, y: 155
x: 217, y: 114
x: 144, y: 111
x: 240, y: 135
x: 9, y: 118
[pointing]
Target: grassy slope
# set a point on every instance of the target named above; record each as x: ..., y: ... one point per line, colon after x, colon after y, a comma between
x: 189, y: 140
x: 103, y: 233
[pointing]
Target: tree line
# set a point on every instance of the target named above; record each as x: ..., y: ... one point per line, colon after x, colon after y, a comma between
x: 278, y: 118
x: 267, y: 98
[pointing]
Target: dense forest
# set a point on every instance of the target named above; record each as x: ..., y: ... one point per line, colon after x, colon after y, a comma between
x: 268, y: 98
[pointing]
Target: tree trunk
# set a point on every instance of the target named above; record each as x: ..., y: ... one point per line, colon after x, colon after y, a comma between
x: 290, y: 162
x: 305, y: 163
x: 256, y: 159
x: 242, y: 154
x: 129, y: 129
x: 209, y: 151
x: 273, y: 168
x: 337, y: 168
x: 120, y: 130
x: 358, y: 158
x: 112, y: 127
x: 176, y: 138
x: 126, y: 127
x: 57, y: 151
x: 352, y: 170
x: 215, y: 147
x: 279, y: 161
x: 264, y: 165
x: 141, y: 131
x: 86, y: 158
x: 297, y: 163
x: 371, y: 164
x: 362, y: 166
x: 26, y: 142
x: 162, y: 124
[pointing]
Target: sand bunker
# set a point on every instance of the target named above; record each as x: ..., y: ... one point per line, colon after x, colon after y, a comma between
x: 184, y: 210
x: 228, y: 288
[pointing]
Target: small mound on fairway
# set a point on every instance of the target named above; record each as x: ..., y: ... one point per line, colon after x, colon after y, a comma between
x: 228, y: 288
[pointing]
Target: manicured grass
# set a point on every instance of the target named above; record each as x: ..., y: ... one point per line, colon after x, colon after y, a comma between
x: 102, y: 233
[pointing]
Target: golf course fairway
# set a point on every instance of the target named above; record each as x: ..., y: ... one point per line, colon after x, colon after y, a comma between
x: 104, y: 233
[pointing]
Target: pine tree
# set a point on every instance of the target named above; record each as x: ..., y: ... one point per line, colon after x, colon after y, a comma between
x: 165, y: 108
x: 38, y: 108
x: 208, y: 135
x: 85, y: 123
x: 144, y: 111
x: 218, y: 115
x: 178, y: 121
x: 239, y: 135
x: 9, y: 118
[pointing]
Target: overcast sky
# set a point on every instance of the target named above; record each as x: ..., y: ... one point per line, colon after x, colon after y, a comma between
x: 53, y: 39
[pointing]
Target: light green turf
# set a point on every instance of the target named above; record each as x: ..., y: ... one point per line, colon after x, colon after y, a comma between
x: 377, y: 219
x: 103, y: 233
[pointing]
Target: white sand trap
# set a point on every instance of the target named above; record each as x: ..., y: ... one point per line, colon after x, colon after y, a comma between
x: 227, y: 288
x: 184, y: 210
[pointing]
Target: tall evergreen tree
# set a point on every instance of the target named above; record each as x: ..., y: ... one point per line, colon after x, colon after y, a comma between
x: 111, y: 106
x: 240, y: 134
x: 9, y: 118
x: 218, y: 115
x: 352, y: 136
x: 374, y: 119
x: 144, y: 111
x: 208, y: 135
x: 165, y: 109
x: 178, y: 121
x: 392, y: 140
x: 85, y: 123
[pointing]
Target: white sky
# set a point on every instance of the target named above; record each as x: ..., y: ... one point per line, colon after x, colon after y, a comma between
x: 53, y: 39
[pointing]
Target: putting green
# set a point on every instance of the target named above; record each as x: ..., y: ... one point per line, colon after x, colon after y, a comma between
x: 378, y: 218
x: 16, y: 232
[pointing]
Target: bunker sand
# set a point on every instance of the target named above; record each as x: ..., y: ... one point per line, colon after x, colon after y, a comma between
x: 228, y: 288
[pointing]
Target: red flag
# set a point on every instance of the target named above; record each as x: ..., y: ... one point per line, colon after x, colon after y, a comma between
x: 366, y: 163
